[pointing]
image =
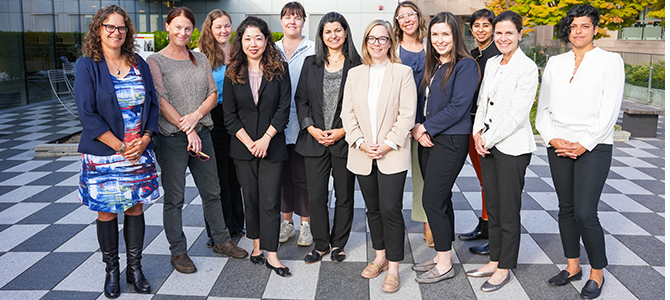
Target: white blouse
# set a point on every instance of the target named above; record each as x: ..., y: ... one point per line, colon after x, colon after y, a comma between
x: 376, y: 78
x: 586, y: 109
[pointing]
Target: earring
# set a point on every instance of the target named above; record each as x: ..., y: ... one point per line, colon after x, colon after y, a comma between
x: 167, y: 37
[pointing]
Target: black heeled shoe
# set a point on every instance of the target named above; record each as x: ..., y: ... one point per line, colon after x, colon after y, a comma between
x: 282, y: 271
x: 257, y: 259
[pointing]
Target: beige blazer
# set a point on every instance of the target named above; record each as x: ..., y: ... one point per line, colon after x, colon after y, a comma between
x: 396, y: 111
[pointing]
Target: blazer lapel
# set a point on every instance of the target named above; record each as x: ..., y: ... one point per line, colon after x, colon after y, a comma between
x: 345, y: 71
x: 264, y: 83
x: 318, y: 101
x: 361, y: 100
x: 383, y: 101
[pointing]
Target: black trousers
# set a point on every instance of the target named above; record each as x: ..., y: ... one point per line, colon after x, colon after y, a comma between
x: 440, y: 166
x: 294, y: 195
x: 261, y: 185
x: 318, y: 173
x: 504, y: 178
x: 231, y: 193
x: 579, y: 184
x: 383, y: 198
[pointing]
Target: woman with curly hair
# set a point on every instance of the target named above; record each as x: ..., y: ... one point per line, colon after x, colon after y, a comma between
x: 256, y: 101
x: 187, y: 93
x: 213, y: 42
x: 118, y: 111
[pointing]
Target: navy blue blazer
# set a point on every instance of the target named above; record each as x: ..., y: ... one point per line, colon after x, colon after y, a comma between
x: 99, y: 109
x: 448, y: 110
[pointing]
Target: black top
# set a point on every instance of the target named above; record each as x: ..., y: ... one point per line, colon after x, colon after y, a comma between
x: 481, y: 57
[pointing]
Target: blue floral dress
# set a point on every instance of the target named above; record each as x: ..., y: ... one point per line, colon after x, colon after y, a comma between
x: 111, y: 183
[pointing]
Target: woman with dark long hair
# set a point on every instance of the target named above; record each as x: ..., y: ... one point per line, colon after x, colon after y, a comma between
x: 213, y: 42
x: 504, y: 139
x: 450, y: 81
x: 579, y: 104
x: 256, y: 101
x: 187, y: 93
x: 118, y: 111
x: 319, y: 104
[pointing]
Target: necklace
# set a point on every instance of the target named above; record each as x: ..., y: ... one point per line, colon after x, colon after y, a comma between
x: 118, y: 68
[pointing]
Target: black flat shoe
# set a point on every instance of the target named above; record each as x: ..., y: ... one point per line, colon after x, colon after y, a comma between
x: 564, y: 278
x: 283, y: 271
x: 591, y: 289
x: 257, y: 259
x: 481, y: 232
x: 314, y: 256
x: 210, y: 243
x: 338, y: 255
x: 480, y: 250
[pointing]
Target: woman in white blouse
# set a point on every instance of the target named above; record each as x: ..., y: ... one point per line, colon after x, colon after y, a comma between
x: 504, y: 138
x: 378, y: 113
x: 579, y: 104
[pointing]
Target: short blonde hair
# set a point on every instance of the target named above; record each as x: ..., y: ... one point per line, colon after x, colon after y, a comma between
x: 366, y: 59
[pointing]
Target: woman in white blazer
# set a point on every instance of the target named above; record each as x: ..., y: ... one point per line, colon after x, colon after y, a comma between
x: 578, y: 106
x: 504, y: 138
x: 378, y: 113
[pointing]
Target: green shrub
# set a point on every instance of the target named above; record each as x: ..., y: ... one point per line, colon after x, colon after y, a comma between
x: 639, y: 75
x: 161, y: 39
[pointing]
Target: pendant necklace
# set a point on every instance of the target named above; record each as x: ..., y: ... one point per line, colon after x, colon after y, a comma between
x: 118, y: 72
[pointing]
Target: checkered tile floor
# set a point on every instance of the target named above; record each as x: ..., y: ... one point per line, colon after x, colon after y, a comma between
x: 48, y: 246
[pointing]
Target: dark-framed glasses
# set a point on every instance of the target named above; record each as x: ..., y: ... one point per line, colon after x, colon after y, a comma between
x: 382, y: 40
x: 200, y: 155
x: 408, y: 15
x: 111, y: 28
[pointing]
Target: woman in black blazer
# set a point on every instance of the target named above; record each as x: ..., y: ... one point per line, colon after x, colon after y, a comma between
x: 319, y: 103
x: 256, y: 99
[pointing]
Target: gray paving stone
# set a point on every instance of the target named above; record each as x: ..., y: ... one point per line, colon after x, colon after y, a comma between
x: 459, y: 202
x: 7, y: 175
x: 528, y: 203
x: 342, y: 281
x: 653, y: 202
x: 181, y: 297
x: 48, y: 272
x: 535, y: 184
x: 534, y: 280
x: 654, y: 186
x: 50, y: 214
x: 192, y: 215
x: 656, y: 161
x: 150, y: 233
x: 360, y: 220
x: 241, y: 279
x: 156, y: 269
x: 53, y: 178
x: 454, y: 288
x: 552, y: 246
x: 650, y: 222
x: 649, y: 248
x: 407, y: 248
x: 468, y: 184
x: 6, y: 164
x: 656, y: 173
x: 641, y: 280
x: 50, y: 238
x: 71, y: 295
x: 542, y: 171
x: 4, y: 206
x: 53, y: 193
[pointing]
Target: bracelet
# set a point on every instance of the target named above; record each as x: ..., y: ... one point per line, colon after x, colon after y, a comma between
x: 148, y: 134
x: 268, y: 135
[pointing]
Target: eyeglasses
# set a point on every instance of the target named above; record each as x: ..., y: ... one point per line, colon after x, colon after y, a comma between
x: 111, y: 28
x: 410, y: 14
x: 382, y: 40
x: 200, y: 155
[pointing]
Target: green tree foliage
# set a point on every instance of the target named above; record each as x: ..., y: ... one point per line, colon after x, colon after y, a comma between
x: 161, y: 39
x: 639, y: 75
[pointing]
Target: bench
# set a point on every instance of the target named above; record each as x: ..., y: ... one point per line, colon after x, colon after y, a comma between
x: 639, y: 119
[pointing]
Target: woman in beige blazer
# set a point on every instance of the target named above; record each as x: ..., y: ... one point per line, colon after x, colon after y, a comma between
x: 378, y: 113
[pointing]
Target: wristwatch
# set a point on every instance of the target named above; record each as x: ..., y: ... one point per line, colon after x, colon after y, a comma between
x: 122, y: 148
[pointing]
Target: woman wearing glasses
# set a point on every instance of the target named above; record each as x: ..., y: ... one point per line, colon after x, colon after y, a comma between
x: 450, y: 81
x: 187, y: 93
x: 256, y: 102
x: 378, y: 112
x: 409, y: 28
x: 118, y: 110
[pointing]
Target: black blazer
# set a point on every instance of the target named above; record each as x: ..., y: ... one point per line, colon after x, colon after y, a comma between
x: 309, y: 106
x: 240, y: 111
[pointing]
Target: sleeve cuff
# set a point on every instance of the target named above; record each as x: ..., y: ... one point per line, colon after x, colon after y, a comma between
x: 306, y: 122
x: 359, y: 141
x: 393, y: 145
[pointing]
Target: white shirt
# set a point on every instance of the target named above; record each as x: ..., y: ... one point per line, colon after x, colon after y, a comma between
x: 375, y: 86
x: 586, y: 109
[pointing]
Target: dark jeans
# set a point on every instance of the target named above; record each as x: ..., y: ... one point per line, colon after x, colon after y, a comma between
x: 503, y: 177
x: 440, y: 166
x: 383, y: 198
x: 231, y: 192
x: 261, y: 185
x: 173, y: 159
x: 318, y: 174
x: 579, y: 184
x: 294, y: 196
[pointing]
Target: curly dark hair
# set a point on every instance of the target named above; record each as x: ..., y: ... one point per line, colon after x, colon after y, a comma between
x: 92, y: 42
x: 576, y: 12
x: 272, y: 61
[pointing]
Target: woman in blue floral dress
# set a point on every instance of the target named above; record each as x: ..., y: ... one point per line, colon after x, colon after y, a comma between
x: 118, y: 110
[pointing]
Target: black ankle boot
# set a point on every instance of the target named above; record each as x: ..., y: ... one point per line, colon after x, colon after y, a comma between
x: 108, y: 237
x: 133, y: 232
x: 481, y: 232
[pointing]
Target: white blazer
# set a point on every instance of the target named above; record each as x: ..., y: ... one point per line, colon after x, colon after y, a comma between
x: 504, y: 105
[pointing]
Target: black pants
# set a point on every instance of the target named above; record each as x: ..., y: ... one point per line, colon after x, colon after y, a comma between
x: 579, y: 183
x: 318, y: 173
x: 231, y: 194
x: 261, y: 185
x: 440, y: 166
x: 383, y: 198
x: 294, y: 195
x: 503, y: 177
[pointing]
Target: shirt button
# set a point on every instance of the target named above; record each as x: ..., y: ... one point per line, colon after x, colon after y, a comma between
x: 490, y: 121
x: 491, y: 103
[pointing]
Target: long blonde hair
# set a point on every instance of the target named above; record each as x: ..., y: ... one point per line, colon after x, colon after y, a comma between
x: 207, y: 42
x: 366, y: 59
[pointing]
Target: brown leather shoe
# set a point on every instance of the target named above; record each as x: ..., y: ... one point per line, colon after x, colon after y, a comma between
x: 373, y: 269
x: 230, y: 249
x: 183, y: 264
x: 391, y: 284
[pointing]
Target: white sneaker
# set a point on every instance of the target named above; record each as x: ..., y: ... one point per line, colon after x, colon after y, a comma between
x: 305, y: 239
x: 286, y: 231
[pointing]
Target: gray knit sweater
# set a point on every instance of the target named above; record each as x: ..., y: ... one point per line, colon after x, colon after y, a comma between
x: 184, y: 85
